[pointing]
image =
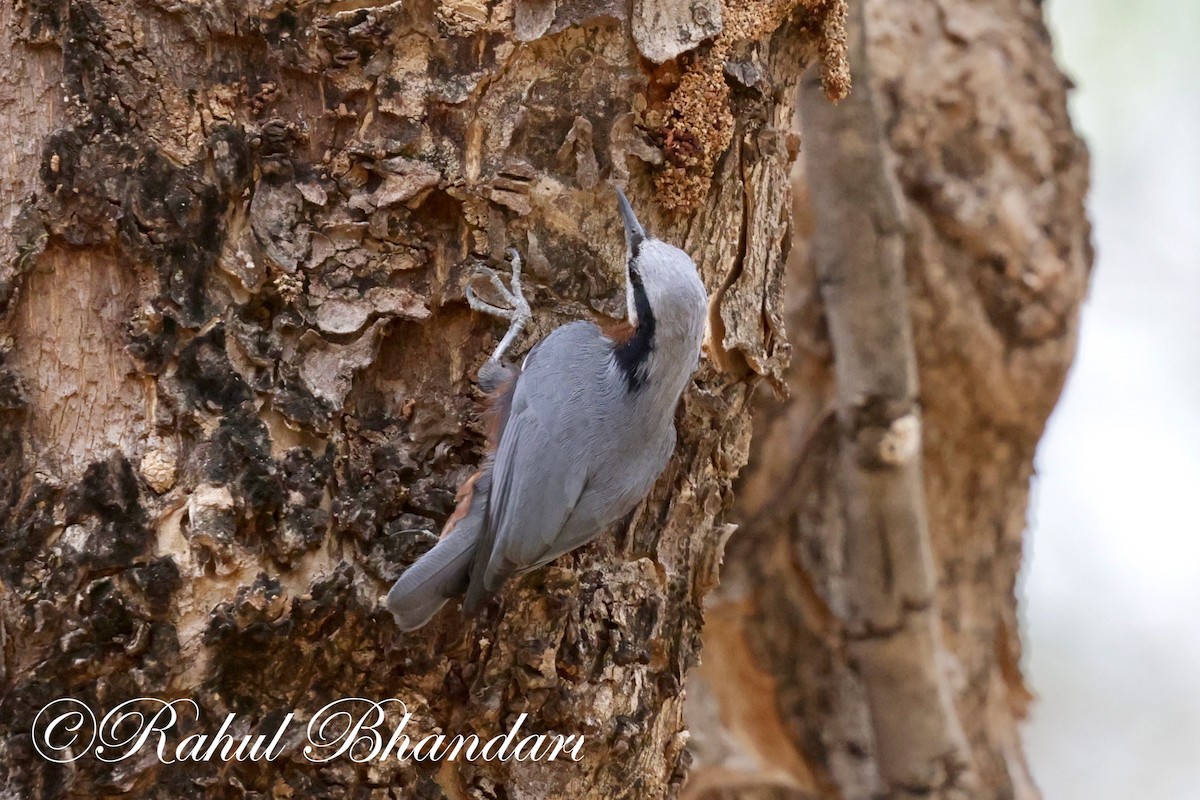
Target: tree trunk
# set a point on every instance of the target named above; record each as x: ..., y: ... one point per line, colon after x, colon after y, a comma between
x: 864, y: 641
x: 236, y: 389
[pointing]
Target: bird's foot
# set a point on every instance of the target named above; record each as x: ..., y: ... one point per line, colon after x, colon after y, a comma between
x: 517, y: 312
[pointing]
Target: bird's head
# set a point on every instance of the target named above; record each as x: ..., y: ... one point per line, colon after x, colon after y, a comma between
x: 658, y: 274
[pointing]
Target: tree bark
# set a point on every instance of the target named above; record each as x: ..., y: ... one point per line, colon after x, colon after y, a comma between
x: 864, y: 640
x: 236, y: 392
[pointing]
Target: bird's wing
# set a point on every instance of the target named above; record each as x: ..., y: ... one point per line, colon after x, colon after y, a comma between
x: 536, y: 484
x: 541, y: 464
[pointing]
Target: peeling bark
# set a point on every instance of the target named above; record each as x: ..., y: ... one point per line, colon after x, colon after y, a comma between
x: 236, y: 388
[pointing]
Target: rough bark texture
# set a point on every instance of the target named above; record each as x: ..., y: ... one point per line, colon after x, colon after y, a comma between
x: 236, y: 394
x: 852, y: 660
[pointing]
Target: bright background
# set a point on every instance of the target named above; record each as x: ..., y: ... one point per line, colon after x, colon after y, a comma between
x: 1112, y: 585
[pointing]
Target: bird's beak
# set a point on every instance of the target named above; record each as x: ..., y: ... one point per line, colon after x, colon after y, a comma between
x: 634, y: 232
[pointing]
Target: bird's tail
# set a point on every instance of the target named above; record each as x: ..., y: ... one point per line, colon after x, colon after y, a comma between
x: 443, y: 572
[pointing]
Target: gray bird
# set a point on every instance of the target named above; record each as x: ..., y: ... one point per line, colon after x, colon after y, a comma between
x: 580, y: 432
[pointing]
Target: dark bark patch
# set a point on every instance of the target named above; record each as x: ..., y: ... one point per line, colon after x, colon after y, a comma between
x: 303, y: 523
x: 108, y: 495
x: 292, y: 399
x: 152, y: 338
x: 208, y: 378
x: 27, y: 516
x: 240, y: 456
x: 60, y: 159
x: 157, y: 581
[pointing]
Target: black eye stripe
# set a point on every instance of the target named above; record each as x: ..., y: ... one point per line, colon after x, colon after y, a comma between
x: 635, y: 246
x: 632, y: 354
x: 635, y: 279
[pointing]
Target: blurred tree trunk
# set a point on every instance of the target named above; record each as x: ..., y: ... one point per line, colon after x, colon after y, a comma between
x: 864, y: 641
x: 236, y: 390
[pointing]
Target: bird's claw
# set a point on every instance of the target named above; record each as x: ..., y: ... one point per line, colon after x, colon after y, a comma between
x: 517, y: 313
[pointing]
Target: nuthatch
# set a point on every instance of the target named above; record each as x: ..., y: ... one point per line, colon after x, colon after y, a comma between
x: 581, y: 431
